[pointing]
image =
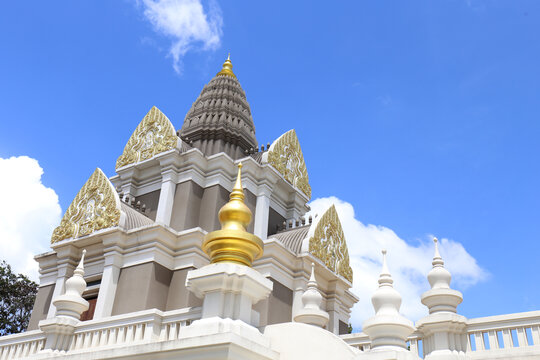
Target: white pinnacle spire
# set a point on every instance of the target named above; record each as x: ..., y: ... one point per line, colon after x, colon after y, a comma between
x: 311, y: 313
x: 72, y: 304
x: 441, y: 297
x: 388, y: 330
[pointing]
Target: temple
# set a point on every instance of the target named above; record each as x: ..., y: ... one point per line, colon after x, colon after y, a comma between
x: 199, y: 247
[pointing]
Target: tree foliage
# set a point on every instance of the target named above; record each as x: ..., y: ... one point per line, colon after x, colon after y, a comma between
x: 17, y: 295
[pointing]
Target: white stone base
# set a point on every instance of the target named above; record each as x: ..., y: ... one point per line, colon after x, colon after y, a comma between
x: 228, y: 290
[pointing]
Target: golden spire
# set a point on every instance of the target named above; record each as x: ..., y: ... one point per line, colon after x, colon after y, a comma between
x: 227, y: 68
x: 233, y: 243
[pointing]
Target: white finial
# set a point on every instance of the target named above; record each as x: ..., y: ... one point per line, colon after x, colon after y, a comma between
x: 312, y: 282
x: 80, y: 268
x: 385, y: 278
x: 441, y: 298
x: 387, y: 329
x: 71, y: 303
x: 437, y: 259
x: 311, y: 313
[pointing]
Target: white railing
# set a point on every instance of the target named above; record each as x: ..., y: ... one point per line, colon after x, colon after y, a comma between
x: 21, y: 345
x: 504, y: 334
x: 135, y: 328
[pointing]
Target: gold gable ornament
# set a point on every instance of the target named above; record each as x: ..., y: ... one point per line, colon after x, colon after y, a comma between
x: 327, y: 243
x: 286, y: 156
x: 96, y: 207
x: 155, y: 134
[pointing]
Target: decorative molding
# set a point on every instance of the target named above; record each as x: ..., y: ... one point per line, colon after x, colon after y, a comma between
x: 286, y: 156
x: 155, y: 134
x: 96, y: 207
x: 328, y: 244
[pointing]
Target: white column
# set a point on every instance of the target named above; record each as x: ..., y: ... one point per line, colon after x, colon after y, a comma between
x: 109, y: 283
x: 166, y: 198
x: 262, y: 211
x: 59, y: 286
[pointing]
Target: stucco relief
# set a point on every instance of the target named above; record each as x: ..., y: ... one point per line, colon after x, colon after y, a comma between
x: 286, y: 156
x: 95, y: 207
x: 328, y: 244
x: 155, y: 134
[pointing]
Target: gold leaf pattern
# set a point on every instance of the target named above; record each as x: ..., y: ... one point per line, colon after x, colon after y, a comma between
x: 328, y: 244
x: 95, y: 207
x: 286, y: 156
x: 155, y: 134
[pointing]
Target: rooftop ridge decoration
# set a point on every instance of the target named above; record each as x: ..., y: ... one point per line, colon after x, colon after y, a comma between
x: 286, y: 156
x: 327, y: 242
x: 233, y: 243
x: 96, y: 207
x: 154, y: 134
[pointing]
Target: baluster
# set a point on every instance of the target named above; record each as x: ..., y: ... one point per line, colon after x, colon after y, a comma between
x: 18, y: 350
x: 414, y: 346
x: 139, y: 329
x: 71, y: 342
x: 112, y: 336
x: 535, y: 330
x: 95, y: 338
x: 507, y: 338
x: 149, y: 330
x: 32, y: 348
x: 5, y: 352
x: 493, y: 343
x: 103, y: 337
x: 522, y: 336
x: 163, y: 332
x: 129, y: 334
x: 172, y: 331
x: 479, y: 341
x: 121, y: 335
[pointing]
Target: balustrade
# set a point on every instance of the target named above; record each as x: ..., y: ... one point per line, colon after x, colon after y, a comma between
x: 140, y: 327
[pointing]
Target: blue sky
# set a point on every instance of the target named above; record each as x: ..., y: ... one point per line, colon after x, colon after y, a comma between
x: 423, y: 115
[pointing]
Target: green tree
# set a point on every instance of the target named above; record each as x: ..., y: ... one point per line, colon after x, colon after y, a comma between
x: 17, y: 295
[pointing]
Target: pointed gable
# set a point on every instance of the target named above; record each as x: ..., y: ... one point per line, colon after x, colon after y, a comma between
x: 96, y: 207
x: 155, y: 134
x: 327, y: 242
x: 286, y: 156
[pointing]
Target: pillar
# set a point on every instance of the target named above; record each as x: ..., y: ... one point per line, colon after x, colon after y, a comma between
x: 109, y: 283
x: 262, y: 212
x: 166, y: 198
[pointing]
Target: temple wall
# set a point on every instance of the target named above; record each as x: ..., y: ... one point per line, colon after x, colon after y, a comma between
x: 278, y: 307
x: 151, y: 285
x: 151, y: 200
x: 179, y: 297
x: 274, y: 220
x: 187, y: 205
x: 41, y: 306
x: 194, y: 206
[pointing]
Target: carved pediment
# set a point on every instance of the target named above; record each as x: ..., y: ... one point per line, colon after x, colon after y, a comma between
x: 286, y: 156
x: 155, y: 134
x: 327, y: 242
x: 96, y: 207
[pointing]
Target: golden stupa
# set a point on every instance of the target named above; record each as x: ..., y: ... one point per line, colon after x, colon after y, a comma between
x: 227, y: 68
x: 233, y: 243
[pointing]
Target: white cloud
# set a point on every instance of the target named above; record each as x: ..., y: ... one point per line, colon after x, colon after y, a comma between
x: 408, y: 263
x: 28, y: 214
x: 186, y: 23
